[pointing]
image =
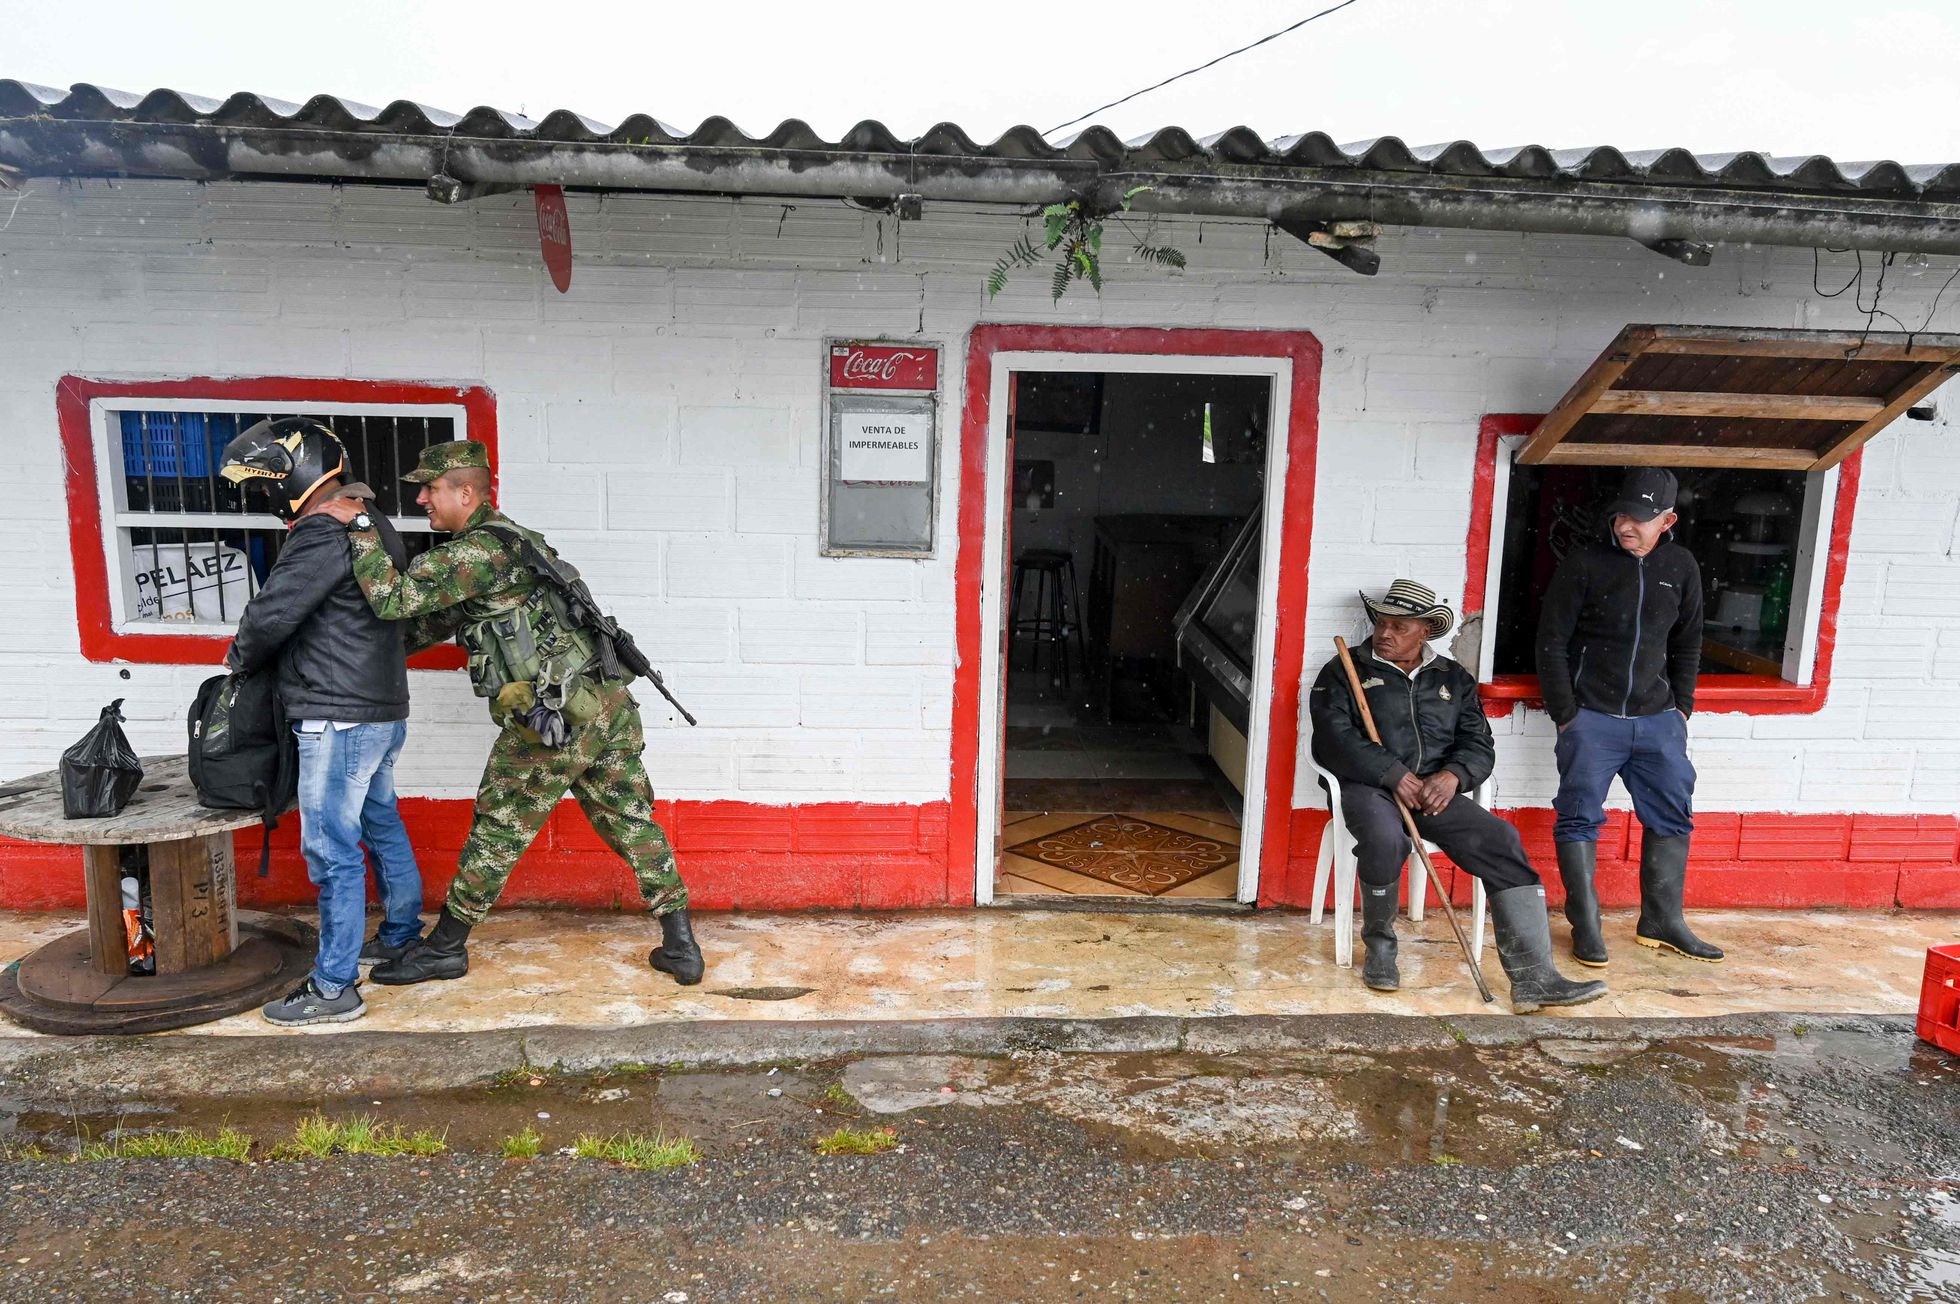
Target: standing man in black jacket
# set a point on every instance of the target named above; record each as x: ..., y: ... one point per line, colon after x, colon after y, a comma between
x: 1435, y: 748
x: 343, y: 678
x: 1619, y: 646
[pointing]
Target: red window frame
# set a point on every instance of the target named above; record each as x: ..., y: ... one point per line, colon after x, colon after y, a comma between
x: 73, y: 397
x: 1743, y: 694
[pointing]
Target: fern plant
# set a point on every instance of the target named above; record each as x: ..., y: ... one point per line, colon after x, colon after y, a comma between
x: 1073, y: 232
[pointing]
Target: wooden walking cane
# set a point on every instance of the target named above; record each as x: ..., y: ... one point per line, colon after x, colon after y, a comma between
x: 1409, y: 823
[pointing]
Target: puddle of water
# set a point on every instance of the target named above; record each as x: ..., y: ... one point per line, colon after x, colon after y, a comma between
x: 762, y: 993
x: 716, y: 1109
x: 1456, y: 1106
x: 1461, y: 1104
x: 1938, y: 1271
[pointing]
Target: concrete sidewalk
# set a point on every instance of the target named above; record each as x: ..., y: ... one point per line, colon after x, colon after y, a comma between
x: 533, y: 969
x: 572, y: 990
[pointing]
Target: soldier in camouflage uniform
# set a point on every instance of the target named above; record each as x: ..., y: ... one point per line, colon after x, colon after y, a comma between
x: 565, y: 729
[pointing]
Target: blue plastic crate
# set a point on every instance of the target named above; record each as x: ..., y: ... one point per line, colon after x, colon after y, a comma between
x: 164, y: 445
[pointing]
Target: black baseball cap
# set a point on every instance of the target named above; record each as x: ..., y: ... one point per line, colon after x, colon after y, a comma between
x: 1646, y: 492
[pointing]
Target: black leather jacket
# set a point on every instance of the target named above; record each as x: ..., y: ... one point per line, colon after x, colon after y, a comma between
x: 1619, y: 633
x: 1429, y: 722
x: 337, y: 660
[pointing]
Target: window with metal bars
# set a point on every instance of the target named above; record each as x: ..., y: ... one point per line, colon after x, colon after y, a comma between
x: 194, y: 547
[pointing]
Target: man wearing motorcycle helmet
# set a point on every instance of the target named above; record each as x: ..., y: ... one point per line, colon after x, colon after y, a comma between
x: 344, y: 682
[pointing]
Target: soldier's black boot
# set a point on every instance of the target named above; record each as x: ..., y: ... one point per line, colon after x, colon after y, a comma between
x: 444, y: 953
x: 677, y: 954
x: 1524, y: 945
x: 1576, y: 863
x: 1663, y: 878
x: 1378, y: 970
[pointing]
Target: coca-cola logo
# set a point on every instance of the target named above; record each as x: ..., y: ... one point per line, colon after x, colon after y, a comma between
x: 859, y: 365
x: 883, y: 367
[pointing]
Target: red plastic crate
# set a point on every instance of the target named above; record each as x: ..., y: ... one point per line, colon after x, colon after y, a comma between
x: 1939, y: 999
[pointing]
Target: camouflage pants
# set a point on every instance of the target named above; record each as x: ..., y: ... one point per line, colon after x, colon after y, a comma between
x: 525, y: 780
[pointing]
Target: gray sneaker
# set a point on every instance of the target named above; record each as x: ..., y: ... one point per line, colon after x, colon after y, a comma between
x: 304, y: 1005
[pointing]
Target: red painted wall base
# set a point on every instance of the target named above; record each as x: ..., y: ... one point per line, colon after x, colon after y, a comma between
x: 734, y: 855
x: 739, y: 856
x: 1750, y: 859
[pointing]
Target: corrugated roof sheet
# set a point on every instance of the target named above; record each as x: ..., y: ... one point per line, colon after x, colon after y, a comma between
x: 1168, y: 147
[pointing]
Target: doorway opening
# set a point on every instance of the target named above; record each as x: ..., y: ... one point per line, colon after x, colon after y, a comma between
x: 1132, y: 578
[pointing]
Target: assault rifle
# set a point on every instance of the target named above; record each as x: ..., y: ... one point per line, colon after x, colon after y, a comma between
x: 617, y: 650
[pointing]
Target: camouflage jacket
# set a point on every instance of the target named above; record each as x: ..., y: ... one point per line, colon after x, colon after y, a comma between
x: 473, y: 576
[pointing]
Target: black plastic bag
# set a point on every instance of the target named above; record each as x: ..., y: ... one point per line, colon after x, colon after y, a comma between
x: 99, y: 773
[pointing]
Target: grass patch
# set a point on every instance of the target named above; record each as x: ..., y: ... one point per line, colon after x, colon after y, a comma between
x: 524, y: 1145
x: 852, y: 1141
x: 30, y: 1154
x: 178, y: 1143
x: 1799, y: 1029
x: 635, y: 1150
x: 1447, y: 1161
x: 320, y: 1137
x: 837, y: 1098
x: 524, y: 1074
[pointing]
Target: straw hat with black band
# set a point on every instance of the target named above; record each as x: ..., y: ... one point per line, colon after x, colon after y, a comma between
x: 1408, y: 600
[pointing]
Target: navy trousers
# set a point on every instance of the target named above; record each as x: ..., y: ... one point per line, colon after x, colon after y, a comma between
x: 1648, y: 752
x: 1486, y: 846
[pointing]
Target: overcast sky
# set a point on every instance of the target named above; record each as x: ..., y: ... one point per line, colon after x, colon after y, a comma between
x: 1873, y: 79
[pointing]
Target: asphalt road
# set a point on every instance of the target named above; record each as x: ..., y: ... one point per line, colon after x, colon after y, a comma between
x: 1809, y: 1165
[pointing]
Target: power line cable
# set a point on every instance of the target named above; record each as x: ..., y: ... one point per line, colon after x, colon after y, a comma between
x: 1201, y: 67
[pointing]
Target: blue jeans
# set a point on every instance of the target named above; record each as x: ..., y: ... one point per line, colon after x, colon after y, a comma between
x: 347, y: 797
x: 1648, y: 752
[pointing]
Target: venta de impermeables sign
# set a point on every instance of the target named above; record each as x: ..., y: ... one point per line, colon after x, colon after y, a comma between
x: 886, y: 447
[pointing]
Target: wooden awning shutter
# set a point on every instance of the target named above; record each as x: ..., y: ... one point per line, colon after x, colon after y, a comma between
x: 1781, y: 400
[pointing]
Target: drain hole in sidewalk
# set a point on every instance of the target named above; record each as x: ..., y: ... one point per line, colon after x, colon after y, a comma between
x: 762, y: 993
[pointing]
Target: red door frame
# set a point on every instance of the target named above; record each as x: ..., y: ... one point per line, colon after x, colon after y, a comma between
x: 1296, y: 538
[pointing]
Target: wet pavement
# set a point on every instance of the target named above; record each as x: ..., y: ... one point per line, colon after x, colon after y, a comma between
x: 1818, y: 1162
x: 538, y: 968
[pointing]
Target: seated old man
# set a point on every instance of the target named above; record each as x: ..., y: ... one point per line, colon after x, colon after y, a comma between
x: 1436, y: 747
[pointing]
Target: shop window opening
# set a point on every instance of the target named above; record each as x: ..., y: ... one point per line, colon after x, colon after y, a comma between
x: 1759, y: 537
x: 187, y: 549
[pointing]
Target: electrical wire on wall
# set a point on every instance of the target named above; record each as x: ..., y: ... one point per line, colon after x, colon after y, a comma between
x: 1856, y: 286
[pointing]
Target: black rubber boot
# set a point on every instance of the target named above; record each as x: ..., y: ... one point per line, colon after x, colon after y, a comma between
x: 1576, y: 862
x: 1378, y: 969
x: 444, y: 954
x: 1663, y: 876
x: 677, y: 954
x: 1524, y: 945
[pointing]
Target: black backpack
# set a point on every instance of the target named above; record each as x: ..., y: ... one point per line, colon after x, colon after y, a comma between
x: 243, y: 755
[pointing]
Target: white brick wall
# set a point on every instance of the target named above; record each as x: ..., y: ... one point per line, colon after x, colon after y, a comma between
x: 661, y: 422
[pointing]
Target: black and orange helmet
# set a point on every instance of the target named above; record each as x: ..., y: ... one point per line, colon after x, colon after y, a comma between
x: 293, y: 456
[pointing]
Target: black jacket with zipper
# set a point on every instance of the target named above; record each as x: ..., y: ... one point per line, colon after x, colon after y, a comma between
x: 337, y: 660
x: 1429, y: 722
x: 1619, y: 633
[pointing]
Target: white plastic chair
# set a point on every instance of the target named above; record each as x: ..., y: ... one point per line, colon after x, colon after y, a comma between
x: 1336, y: 862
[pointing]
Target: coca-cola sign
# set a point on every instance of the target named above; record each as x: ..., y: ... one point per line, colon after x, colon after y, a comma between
x: 554, y: 234
x: 884, y: 366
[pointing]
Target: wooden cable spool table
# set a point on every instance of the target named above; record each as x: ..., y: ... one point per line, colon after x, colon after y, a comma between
x: 211, y: 960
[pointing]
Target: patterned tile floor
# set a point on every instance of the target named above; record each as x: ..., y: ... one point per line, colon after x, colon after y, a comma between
x: 1124, y: 853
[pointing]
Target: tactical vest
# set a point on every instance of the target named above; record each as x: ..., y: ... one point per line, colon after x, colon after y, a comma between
x: 524, y: 649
